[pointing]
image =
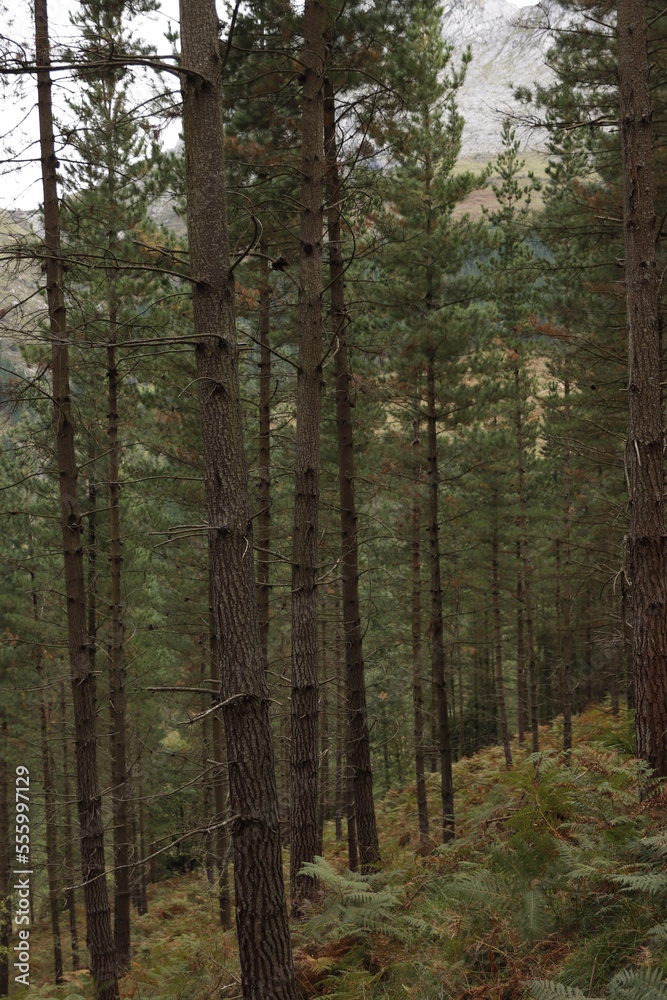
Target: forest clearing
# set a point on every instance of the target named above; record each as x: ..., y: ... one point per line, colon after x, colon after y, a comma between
x: 333, y: 620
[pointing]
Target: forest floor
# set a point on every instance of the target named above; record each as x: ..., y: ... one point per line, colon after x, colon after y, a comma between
x: 557, y: 873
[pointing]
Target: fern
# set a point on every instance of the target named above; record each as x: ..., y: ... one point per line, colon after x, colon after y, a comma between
x: 630, y: 984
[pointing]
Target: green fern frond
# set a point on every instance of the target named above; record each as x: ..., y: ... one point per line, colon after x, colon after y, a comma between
x: 547, y: 990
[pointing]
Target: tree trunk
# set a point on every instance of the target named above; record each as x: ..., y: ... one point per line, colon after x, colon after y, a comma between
x: 100, y: 939
x: 267, y: 969
x: 304, y: 744
x: 69, y: 837
x: 436, y: 628
x: 417, y: 696
x: 567, y: 637
x: 264, y: 471
x: 359, y: 758
x: 645, y: 444
x: 523, y: 542
x: 5, y: 895
x: 119, y: 784
x: 500, y: 686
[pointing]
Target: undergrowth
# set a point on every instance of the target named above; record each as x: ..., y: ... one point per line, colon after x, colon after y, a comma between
x: 556, y: 887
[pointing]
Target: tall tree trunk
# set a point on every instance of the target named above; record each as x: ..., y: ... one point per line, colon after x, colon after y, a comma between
x: 304, y: 744
x: 525, y: 560
x: 459, y: 672
x: 436, y: 628
x: 567, y: 603
x: 267, y: 968
x: 500, y: 686
x: 359, y: 758
x: 417, y: 696
x: 100, y: 939
x: 264, y: 472
x: 119, y: 784
x: 645, y: 444
x: 69, y: 836
x: 5, y: 895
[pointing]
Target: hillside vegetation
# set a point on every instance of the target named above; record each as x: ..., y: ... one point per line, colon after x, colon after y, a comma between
x: 559, y: 873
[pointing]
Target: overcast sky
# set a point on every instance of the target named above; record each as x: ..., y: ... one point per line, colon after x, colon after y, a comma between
x: 20, y: 185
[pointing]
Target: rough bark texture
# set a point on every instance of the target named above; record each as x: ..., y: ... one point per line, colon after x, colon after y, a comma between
x: 436, y: 627
x: 119, y: 790
x: 5, y: 897
x: 525, y: 560
x: 304, y: 745
x: 267, y: 968
x: 264, y: 461
x: 644, y: 448
x: 359, y: 753
x: 417, y: 695
x: 69, y: 836
x: 100, y: 939
x: 500, y: 685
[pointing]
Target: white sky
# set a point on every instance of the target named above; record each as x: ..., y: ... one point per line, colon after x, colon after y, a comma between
x: 20, y: 184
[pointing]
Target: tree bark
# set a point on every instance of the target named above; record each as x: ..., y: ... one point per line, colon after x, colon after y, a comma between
x: 500, y: 686
x: 100, y: 940
x: 417, y: 696
x: 304, y: 744
x: 267, y: 969
x: 525, y: 560
x: 645, y: 444
x: 69, y: 837
x: 436, y: 628
x: 359, y: 758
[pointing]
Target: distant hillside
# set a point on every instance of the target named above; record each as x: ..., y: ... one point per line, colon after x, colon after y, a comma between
x: 508, y: 51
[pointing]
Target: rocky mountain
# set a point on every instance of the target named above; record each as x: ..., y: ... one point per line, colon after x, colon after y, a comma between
x: 508, y: 50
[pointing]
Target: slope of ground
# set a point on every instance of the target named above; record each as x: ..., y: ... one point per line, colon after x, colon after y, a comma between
x: 558, y: 872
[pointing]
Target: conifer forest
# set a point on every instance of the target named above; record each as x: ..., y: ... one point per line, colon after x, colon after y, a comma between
x: 333, y: 603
